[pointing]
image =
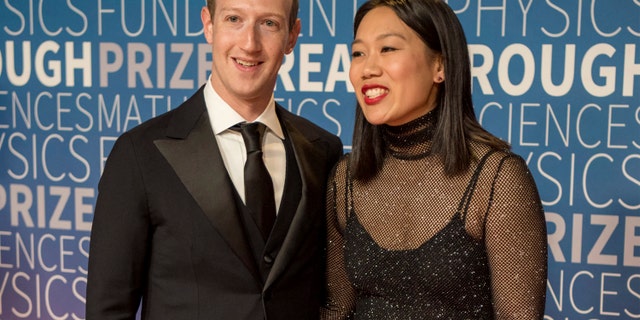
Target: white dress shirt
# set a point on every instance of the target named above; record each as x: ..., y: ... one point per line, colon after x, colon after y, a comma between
x: 232, y: 148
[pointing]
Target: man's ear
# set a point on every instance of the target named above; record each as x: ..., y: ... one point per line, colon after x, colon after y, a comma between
x: 293, y: 36
x: 207, y: 24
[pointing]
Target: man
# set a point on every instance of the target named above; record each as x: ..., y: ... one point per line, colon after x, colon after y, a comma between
x: 173, y: 231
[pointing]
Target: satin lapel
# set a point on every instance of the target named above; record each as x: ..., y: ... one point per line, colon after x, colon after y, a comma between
x: 306, y: 157
x: 197, y: 162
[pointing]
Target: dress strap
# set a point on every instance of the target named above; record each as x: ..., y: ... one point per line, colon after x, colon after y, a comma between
x: 465, y: 201
x: 348, y: 181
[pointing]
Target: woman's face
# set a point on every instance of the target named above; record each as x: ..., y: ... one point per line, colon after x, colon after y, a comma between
x: 392, y: 70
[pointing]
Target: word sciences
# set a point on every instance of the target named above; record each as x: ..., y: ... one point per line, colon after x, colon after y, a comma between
x: 81, y: 112
x: 592, y: 294
x: 596, y: 69
x: 42, y: 275
x: 85, y: 112
x: 600, y: 124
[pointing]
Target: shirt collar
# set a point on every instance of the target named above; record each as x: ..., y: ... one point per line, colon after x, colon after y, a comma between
x: 222, y: 116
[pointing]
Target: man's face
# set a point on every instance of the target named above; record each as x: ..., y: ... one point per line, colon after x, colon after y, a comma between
x: 249, y: 39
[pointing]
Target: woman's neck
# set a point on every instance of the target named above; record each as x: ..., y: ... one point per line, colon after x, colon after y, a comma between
x: 411, y: 140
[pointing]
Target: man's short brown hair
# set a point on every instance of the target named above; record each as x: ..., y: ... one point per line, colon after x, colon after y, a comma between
x: 293, y: 14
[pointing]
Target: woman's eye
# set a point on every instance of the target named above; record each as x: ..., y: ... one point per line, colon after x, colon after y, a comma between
x: 356, y: 54
x: 387, y: 49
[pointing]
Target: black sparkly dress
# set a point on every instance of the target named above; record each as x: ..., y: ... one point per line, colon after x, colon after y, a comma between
x: 413, y: 243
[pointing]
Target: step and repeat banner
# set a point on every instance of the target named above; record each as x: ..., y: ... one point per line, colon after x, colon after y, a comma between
x: 559, y: 79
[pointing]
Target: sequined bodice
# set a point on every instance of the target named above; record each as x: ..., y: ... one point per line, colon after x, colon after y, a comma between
x: 425, y: 281
x: 422, y: 283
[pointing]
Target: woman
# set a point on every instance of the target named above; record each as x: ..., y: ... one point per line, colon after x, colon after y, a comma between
x: 430, y: 216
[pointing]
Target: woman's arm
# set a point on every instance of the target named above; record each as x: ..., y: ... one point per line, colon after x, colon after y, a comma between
x: 340, y: 294
x: 516, y: 241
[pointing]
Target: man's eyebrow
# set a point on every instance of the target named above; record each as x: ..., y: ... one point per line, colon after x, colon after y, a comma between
x: 265, y: 14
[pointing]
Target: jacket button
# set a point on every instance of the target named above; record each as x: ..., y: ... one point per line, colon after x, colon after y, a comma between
x: 267, y: 259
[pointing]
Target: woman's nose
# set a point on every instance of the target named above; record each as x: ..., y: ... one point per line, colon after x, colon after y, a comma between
x: 371, y: 67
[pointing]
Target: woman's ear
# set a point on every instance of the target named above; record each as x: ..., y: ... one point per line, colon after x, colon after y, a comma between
x: 438, y: 69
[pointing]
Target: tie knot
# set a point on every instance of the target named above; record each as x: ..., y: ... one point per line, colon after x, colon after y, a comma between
x: 252, y: 135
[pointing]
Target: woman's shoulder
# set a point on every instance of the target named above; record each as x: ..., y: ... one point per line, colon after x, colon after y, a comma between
x: 500, y: 160
x: 341, y: 168
x: 481, y: 150
x: 343, y: 162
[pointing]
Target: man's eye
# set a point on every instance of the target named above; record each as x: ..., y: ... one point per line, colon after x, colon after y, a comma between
x: 387, y: 49
x: 271, y: 23
x: 233, y: 19
x: 356, y: 54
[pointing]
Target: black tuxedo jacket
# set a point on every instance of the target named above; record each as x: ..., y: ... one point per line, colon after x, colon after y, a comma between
x: 167, y: 235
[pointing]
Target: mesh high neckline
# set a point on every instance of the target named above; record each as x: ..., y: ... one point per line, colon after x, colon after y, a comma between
x: 411, y: 140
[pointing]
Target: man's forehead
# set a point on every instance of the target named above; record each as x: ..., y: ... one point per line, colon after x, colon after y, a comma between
x: 278, y: 7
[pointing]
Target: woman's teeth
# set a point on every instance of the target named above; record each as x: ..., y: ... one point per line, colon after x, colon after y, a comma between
x: 376, y: 92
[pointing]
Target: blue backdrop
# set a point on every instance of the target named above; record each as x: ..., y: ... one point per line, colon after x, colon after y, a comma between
x: 559, y: 79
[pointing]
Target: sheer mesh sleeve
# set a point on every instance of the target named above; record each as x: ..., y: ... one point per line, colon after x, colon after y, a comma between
x: 515, y: 237
x: 340, y: 293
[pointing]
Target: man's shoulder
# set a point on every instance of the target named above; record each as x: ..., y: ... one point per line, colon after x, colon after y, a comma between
x: 305, y: 126
x: 189, y: 109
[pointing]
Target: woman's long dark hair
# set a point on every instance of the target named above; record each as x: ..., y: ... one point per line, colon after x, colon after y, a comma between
x: 441, y: 31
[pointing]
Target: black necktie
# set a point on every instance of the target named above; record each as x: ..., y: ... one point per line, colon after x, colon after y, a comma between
x: 258, y: 188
